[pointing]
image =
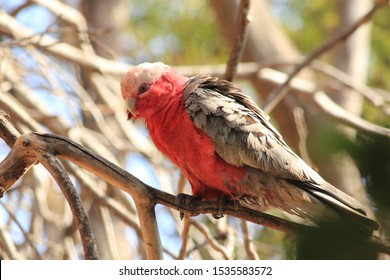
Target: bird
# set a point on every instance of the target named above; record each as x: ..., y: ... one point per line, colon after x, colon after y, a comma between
x: 226, y: 146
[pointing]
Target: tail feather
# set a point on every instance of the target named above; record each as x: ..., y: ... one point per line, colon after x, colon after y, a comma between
x: 345, y: 205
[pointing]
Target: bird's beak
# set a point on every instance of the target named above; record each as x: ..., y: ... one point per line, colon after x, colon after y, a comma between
x: 130, y: 102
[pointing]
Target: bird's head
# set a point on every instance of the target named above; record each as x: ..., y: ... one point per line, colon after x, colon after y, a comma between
x: 147, y: 87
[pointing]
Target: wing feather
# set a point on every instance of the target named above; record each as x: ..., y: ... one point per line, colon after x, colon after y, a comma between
x: 243, y: 136
x: 240, y: 131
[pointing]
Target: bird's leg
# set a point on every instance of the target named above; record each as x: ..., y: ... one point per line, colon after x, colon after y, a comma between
x: 185, y: 201
x: 222, y: 202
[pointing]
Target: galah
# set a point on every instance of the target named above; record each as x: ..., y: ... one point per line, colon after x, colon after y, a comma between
x: 226, y: 147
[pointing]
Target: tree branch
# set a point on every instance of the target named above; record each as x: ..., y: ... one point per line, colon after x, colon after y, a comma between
x: 64, y: 148
x: 27, y: 238
x: 278, y: 94
x: 7, y: 132
x: 43, y: 147
x: 7, y: 246
x: 117, y: 209
x: 249, y: 69
x: 210, y: 240
x: 184, y: 238
x: 239, y: 40
x: 59, y: 174
x: 17, y: 31
x: 248, y: 244
x: 307, y: 91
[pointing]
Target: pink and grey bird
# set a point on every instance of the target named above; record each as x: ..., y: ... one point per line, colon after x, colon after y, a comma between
x: 225, y: 145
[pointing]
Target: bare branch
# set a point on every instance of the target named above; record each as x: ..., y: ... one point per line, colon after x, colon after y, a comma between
x: 67, y: 149
x: 72, y: 16
x: 27, y: 238
x: 308, y: 92
x: 369, y: 94
x: 7, y: 246
x: 80, y: 215
x: 147, y: 217
x: 184, y: 238
x: 277, y: 95
x: 12, y: 28
x: 22, y: 156
x: 239, y: 40
x: 8, y: 133
x: 248, y: 244
x: 299, y: 119
x: 381, y: 101
x: 210, y: 240
x: 121, y: 212
x: 47, y: 145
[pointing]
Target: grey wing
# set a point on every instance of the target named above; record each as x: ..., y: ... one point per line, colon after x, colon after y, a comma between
x: 243, y: 136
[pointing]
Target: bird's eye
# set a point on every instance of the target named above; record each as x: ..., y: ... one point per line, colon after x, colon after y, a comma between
x: 143, y: 88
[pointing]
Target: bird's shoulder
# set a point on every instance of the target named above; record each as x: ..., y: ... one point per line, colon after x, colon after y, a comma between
x: 214, y: 97
x: 240, y: 130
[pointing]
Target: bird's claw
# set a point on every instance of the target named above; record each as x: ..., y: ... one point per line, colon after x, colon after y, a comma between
x: 218, y: 216
x: 185, y: 201
x: 222, y: 202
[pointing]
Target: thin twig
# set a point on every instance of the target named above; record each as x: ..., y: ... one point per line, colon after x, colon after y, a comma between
x: 16, y: 10
x: 376, y: 99
x: 340, y: 76
x: 307, y: 91
x: 248, y: 244
x: 25, y: 158
x: 239, y: 40
x: 181, y: 183
x: 73, y: 16
x: 59, y: 174
x: 115, y: 207
x: 184, y: 237
x: 300, y: 123
x: 328, y: 106
x: 26, y: 237
x: 108, y: 230
x: 209, y: 239
x: 280, y: 92
x: 12, y: 28
x: 7, y: 246
x: 7, y: 132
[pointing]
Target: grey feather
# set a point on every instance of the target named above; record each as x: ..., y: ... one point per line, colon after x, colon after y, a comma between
x: 243, y: 136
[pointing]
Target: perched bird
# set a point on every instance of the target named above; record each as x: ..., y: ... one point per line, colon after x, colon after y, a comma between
x: 225, y: 145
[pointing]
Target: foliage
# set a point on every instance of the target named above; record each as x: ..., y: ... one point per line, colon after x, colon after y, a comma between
x: 185, y: 33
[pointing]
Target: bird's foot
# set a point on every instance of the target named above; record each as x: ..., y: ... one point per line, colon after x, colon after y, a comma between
x: 185, y: 201
x: 222, y: 202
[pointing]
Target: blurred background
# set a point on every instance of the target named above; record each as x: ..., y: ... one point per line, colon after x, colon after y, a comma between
x: 60, y: 67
